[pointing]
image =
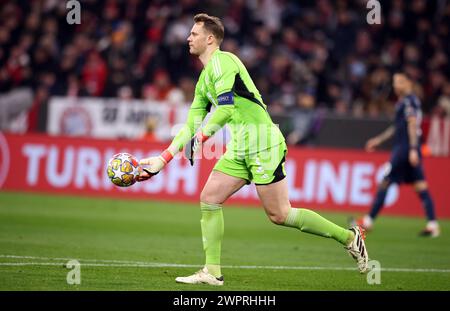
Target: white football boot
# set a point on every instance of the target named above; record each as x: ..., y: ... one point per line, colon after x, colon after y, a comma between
x: 431, y: 230
x: 357, y: 249
x: 201, y: 277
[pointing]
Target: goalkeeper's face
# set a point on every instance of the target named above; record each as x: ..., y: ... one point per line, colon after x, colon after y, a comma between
x: 199, y: 39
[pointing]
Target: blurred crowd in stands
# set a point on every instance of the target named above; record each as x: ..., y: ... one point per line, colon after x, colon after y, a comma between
x: 304, y: 56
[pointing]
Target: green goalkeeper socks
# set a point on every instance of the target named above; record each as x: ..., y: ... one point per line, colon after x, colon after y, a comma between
x: 212, y: 233
x: 311, y: 222
x: 303, y: 219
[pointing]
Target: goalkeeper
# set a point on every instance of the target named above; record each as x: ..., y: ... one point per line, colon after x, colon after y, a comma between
x: 256, y: 153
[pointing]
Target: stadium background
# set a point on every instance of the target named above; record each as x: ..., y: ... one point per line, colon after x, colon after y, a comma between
x: 122, y: 80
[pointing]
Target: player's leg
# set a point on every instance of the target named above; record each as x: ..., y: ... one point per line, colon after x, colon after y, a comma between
x: 271, y: 185
x: 217, y: 190
x: 275, y: 200
x: 392, y: 172
x: 268, y: 173
x: 421, y: 188
x: 219, y: 187
x: 367, y: 221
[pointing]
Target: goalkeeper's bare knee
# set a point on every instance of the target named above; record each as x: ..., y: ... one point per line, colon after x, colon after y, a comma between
x: 277, y: 215
x: 209, y: 197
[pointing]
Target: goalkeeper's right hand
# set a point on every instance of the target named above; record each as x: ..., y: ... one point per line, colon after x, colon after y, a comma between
x: 154, y: 165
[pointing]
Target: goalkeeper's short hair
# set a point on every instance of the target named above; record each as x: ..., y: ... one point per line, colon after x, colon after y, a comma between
x: 212, y: 24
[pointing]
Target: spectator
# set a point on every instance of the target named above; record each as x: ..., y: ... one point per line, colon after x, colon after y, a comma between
x: 94, y: 74
x: 305, y: 119
x: 324, y: 47
x: 161, y: 87
x: 151, y: 125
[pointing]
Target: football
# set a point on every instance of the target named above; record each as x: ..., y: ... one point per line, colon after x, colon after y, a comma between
x: 123, y: 168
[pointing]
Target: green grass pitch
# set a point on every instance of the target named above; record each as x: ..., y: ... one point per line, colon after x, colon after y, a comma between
x: 144, y: 245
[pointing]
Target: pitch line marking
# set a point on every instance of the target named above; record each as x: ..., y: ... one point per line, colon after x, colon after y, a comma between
x: 140, y: 264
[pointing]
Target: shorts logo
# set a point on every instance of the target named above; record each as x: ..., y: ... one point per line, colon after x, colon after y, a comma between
x: 260, y: 169
x: 4, y: 159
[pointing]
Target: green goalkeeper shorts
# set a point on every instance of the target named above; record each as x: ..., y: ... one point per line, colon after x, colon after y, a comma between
x: 263, y: 167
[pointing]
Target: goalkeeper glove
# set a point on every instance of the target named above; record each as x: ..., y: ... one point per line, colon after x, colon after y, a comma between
x: 155, y: 164
x: 194, y: 145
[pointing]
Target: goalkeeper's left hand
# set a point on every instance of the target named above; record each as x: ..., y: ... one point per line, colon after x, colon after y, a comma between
x: 194, y: 145
x: 155, y: 164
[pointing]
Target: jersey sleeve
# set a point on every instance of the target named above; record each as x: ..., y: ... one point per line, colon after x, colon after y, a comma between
x: 200, y: 101
x: 224, y: 70
x: 198, y: 111
x: 411, y: 108
x: 223, y: 75
x: 218, y: 119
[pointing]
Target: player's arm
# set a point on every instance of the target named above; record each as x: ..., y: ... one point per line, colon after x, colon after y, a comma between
x: 223, y: 78
x: 224, y: 74
x: 412, y: 133
x: 196, y: 114
x: 411, y: 112
x: 374, y: 142
x: 413, y: 140
x: 195, y: 118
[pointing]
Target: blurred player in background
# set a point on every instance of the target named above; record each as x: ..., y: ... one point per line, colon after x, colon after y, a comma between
x: 405, y: 165
x: 256, y: 153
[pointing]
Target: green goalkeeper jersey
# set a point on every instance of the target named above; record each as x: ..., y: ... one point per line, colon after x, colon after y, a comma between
x: 226, y: 84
